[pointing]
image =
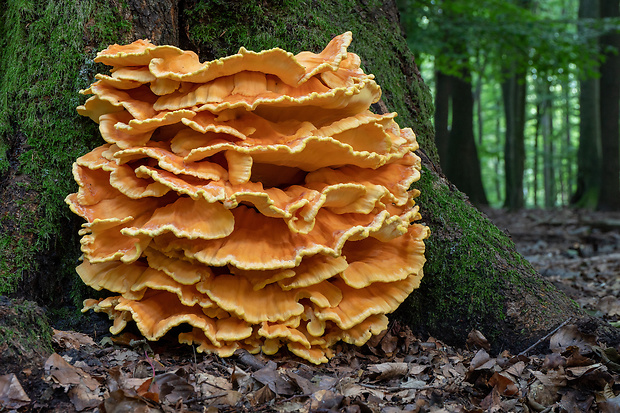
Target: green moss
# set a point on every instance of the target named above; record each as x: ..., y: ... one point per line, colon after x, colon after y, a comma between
x: 45, y: 60
x: 470, y: 265
x: 24, y: 330
x: 219, y: 27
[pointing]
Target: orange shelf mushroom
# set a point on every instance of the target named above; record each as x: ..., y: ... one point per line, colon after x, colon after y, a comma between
x: 254, y: 199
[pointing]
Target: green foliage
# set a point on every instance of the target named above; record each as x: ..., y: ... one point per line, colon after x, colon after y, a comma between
x: 522, y: 33
x: 44, y: 62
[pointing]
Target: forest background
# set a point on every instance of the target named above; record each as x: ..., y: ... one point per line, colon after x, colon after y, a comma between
x: 526, y: 96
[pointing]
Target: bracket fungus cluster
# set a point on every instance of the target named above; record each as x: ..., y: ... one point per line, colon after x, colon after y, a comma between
x: 254, y: 199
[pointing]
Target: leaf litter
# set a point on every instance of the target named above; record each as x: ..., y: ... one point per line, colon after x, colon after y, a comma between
x: 395, y: 372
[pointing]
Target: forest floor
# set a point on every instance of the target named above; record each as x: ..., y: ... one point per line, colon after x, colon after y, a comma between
x: 395, y: 372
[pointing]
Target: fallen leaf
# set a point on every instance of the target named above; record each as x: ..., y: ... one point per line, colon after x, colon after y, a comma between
x: 576, y: 372
x: 505, y: 385
x: 12, y: 395
x: 568, y: 336
x: 149, y: 390
x: 610, y: 405
x: 210, y: 384
x: 173, y: 386
x: 325, y: 400
x: 387, y: 371
x: 305, y: 385
x: 481, y: 361
x: 71, y: 339
x: 120, y: 402
x: 263, y: 395
x: 476, y: 339
x: 609, y: 305
x: 65, y: 374
x: 82, y: 388
x: 84, y: 398
x: 269, y: 376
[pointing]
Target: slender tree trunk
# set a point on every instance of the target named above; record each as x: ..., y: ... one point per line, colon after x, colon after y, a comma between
x: 567, y: 143
x: 473, y: 277
x: 536, y: 151
x: 609, y: 195
x: 548, y: 147
x: 513, y: 92
x: 464, y: 166
x: 589, y: 159
x: 443, y: 94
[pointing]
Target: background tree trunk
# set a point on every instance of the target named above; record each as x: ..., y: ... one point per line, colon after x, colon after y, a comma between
x: 589, y: 160
x: 443, y: 94
x: 513, y: 92
x: 462, y: 166
x: 609, y: 195
x: 474, y: 277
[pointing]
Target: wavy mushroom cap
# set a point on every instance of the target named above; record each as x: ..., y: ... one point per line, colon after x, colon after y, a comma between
x: 254, y: 198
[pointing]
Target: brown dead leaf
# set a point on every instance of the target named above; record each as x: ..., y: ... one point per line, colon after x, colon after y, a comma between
x: 83, y: 389
x: 492, y: 403
x: 275, y: 379
x: 84, y: 398
x: 505, y: 385
x: 387, y: 371
x: 120, y: 401
x: 12, y: 395
x: 481, y: 361
x: 568, y: 336
x: 609, y: 305
x: 305, y: 385
x: 210, y: 384
x: 389, y: 343
x: 610, y: 405
x: 476, y: 340
x: 325, y: 400
x: 71, y: 339
x: 173, y: 386
x: 609, y: 357
x: 544, y: 391
x: 553, y: 361
x: 65, y: 374
x: 149, y: 390
x: 262, y: 396
x: 415, y: 369
x: 243, y: 381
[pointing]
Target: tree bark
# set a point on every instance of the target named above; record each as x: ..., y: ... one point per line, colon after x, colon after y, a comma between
x: 473, y: 278
x: 513, y: 92
x: 609, y: 195
x: 463, y: 165
x: 443, y: 93
x: 589, y: 159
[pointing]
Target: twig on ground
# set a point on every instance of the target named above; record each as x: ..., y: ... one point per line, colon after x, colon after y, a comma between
x: 546, y: 336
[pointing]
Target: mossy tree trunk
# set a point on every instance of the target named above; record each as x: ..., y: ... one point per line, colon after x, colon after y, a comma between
x: 474, y: 278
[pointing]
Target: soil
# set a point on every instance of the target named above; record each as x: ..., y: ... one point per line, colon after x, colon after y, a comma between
x: 579, y: 251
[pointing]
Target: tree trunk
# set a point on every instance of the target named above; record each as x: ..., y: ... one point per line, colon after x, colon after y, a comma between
x: 513, y: 92
x: 589, y: 159
x: 474, y: 277
x: 609, y: 195
x: 443, y: 94
x: 546, y: 118
x: 463, y: 166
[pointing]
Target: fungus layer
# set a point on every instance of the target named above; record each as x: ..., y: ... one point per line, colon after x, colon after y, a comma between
x: 254, y: 199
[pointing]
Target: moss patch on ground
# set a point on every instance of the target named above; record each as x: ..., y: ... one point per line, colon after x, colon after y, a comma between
x: 25, y: 334
x: 46, y: 51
